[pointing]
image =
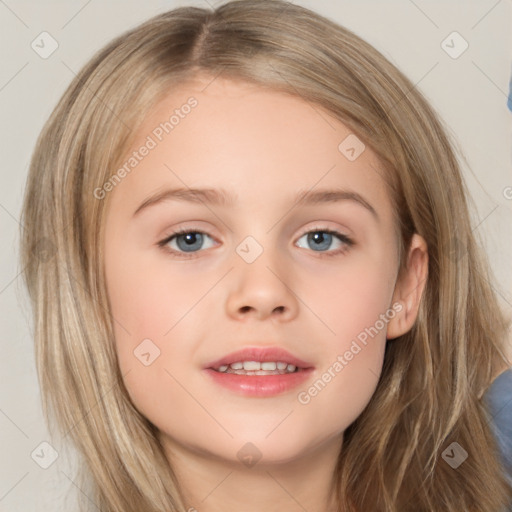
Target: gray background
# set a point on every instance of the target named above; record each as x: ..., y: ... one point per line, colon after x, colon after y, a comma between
x: 470, y: 92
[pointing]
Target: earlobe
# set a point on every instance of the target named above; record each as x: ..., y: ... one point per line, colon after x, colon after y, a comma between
x: 409, y: 288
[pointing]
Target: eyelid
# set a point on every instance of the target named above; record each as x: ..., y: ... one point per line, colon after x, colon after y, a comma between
x: 326, y: 227
x: 180, y: 231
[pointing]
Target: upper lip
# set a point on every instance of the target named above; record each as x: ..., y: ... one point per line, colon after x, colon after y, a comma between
x: 260, y: 354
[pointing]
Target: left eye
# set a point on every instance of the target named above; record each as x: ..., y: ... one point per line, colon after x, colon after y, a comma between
x: 323, y: 238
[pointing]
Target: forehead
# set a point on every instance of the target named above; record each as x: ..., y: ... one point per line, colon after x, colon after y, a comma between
x: 256, y: 142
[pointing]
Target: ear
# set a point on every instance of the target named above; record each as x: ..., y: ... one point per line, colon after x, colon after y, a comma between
x: 409, y: 288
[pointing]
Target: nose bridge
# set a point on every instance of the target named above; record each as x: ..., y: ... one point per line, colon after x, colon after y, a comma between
x: 261, y: 279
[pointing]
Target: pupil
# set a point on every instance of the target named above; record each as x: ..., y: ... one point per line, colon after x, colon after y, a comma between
x: 191, y: 239
x: 321, y: 236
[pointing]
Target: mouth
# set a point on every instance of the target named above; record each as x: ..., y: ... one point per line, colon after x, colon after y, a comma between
x: 259, y: 372
x: 260, y: 361
x: 258, y: 368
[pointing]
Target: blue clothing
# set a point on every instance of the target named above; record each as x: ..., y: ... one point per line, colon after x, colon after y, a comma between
x: 509, y: 101
x: 499, y: 398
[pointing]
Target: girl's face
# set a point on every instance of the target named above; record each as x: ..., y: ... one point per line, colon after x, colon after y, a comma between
x: 257, y: 269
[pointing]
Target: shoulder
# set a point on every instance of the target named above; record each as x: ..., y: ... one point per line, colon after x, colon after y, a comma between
x: 499, y: 399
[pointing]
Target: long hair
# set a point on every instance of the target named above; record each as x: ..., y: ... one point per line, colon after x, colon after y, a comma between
x: 430, y: 391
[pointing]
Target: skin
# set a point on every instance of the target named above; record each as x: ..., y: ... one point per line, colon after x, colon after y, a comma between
x: 263, y: 146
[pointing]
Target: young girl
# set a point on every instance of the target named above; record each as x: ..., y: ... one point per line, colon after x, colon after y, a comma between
x: 254, y: 278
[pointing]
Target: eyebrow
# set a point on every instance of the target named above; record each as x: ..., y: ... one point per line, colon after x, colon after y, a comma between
x: 220, y: 197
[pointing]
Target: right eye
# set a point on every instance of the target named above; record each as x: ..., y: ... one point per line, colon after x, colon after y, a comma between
x: 186, y: 241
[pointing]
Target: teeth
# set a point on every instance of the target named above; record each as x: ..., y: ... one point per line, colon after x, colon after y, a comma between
x: 257, y: 368
x: 252, y: 365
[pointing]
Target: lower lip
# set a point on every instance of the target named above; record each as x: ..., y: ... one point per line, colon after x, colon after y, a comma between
x: 260, y: 385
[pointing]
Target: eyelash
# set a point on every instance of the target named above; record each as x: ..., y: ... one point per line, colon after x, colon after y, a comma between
x: 342, y: 237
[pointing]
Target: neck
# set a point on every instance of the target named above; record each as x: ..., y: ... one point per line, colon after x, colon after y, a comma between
x: 213, y: 484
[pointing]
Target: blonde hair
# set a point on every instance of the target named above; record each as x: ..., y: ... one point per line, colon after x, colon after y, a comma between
x: 434, y: 376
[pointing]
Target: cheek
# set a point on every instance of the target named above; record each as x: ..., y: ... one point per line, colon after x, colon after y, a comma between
x: 152, y: 306
x: 343, y: 388
x: 148, y: 298
x: 352, y: 306
x: 349, y: 299
x: 353, y: 359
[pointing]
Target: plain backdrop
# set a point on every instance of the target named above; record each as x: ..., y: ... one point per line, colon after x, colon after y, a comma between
x: 470, y: 92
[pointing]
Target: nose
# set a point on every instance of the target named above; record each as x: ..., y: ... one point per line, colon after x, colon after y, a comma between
x: 260, y: 291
